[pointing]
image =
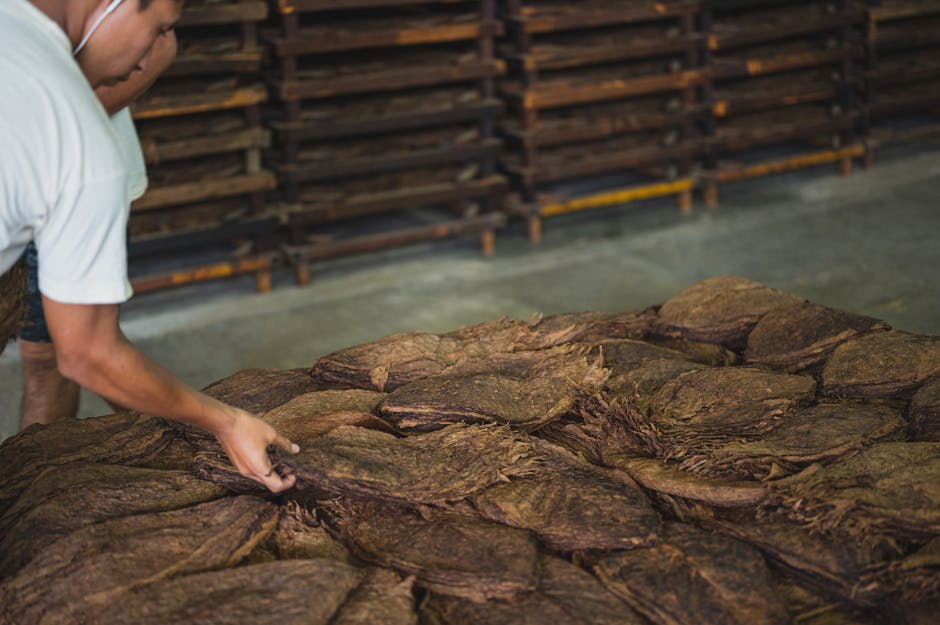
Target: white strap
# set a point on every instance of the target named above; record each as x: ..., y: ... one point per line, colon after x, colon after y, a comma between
x: 81, y: 44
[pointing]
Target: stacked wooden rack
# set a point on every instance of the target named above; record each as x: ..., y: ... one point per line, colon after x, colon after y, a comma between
x: 599, y: 88
x: 202, y: 137
x: 289, y: 131
x: 783, y: 88
x: 384, y: 107
x: 903, y: 77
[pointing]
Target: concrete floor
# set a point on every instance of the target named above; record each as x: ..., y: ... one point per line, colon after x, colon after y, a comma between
x: 869, y: 244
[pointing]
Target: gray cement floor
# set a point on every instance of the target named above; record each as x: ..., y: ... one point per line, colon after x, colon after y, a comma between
x: 869, y: 243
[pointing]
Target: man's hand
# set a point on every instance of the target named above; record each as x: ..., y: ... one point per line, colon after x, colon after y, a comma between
x: 92, y: 351
x: 245, y: 440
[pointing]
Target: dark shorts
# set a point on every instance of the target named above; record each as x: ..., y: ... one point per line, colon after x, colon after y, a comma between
x: 35, y: 329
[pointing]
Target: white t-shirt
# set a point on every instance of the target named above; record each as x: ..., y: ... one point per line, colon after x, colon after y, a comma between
x: 133, y: 154
x: 63, y: 179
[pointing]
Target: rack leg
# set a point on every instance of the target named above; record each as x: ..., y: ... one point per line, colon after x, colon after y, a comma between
x: 685, y: 202
x: 710, y: 194
x: 263, y: 281
x: 535, y: 229
x: 302, y: 273
x: 488, y: 242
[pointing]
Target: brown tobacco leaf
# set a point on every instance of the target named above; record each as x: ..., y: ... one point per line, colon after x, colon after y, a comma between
x: 586, y: 327
x: 883, y: 364
x: 822, y: 433
x: 395, y: 360
x: 126, y: 438
x: 801, y: 335
x: 689, y: 579
x: 571, y: 505
x: 729, y: 400
x: 923, y: 413
x: 64, y: 499
x: 12, y: 302
x: 887, y: 494
x: 449, y: 553
x: 719, y: 310
x: 565, y: 594
x: 314, y: 414
x: 261, y: 390
x: 91, y: 567
x: 660, y: 477
x: 831, y: 567
x: 436, y: 468
x: 640, y: 369
x: 300, y: 536
x: 294, y: 592
x: 254, y: 390
x: 382, y: 597
x: 524, y: 389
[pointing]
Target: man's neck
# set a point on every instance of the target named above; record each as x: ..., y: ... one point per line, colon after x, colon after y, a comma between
x: 71, y: 15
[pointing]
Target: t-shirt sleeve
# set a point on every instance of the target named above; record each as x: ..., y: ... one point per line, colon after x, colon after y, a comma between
x: 82, y: 245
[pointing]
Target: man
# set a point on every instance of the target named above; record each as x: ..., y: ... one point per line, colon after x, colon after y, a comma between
x: 64, y: 185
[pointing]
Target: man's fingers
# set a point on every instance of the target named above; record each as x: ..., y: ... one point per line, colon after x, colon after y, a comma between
x: 276, y: 484
x: 285, y: 444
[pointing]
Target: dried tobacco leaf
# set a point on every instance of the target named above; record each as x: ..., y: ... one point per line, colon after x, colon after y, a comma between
x: 882, y: 364
x: 885, y: 495
x: 719, y: 310
x: 66, y: 498
x: 565, y: 594
x: 801, y: 335
x: 923, y: 413
x: 524, y: 389
x: 571, y: 505
x: 822, y: 433
x: 689, y: 579
x: 449, y: 553
x: 729, y: 400
x: 126, y: 438
x: 93, y: 566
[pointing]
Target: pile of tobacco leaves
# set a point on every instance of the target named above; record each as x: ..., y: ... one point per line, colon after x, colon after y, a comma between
x: 734, y: 456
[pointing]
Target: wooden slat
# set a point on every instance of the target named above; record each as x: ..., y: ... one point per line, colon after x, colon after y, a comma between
x: 331, y: 129
x: 397, y: 238
x: 547, y: 95
x: 903, y: 9
x: 730, y: 67
x: 600, y: 54
x: 719, y: 42
x: 164, y: 243
x: 309, y: 172
x: 315, y: 42
x: 608, y: 162
x: 174, y: 195
x: 228, y: 13
x: 391, y: 80
x: 736, y: 139
x: 215, y: 271
x: 628, y: 13
x: 616, y: 196
x: 187, y: 104
x: 237, y: 61
x: 781, y: 165
x: 399, y: 199
x: 545, y: 135
x: 158, y: 151
x: 286, y: 7
x: 728, y: 106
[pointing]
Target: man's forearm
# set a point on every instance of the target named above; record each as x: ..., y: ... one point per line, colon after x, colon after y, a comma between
x: 124, y: 375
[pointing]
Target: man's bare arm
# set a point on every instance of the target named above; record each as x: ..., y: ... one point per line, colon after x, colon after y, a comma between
x: 92, y: 351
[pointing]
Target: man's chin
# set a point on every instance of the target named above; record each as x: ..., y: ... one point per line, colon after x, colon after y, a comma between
x: 111, y: 82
